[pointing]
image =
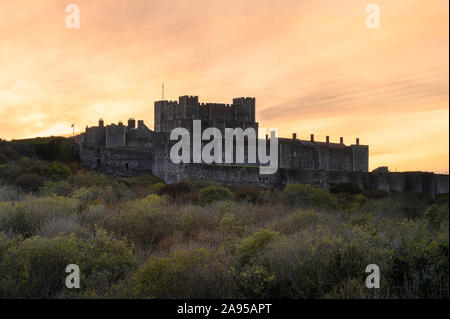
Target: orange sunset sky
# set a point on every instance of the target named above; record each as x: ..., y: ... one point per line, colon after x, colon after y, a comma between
x: 313, y: 67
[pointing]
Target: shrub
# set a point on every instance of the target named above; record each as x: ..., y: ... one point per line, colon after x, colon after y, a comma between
x: 91, y: 179
x: 27, y: 217
x: 143, y: 222
x: 36, y: 267
x: 191, y: 219
x: 175, y: 189
x: 3, y: 159
x: 10, y: 152
x: 56, y: 171
x: 436, y: 215
x: 117, y: 192
x: 309, y: 196
x: 247, y: 193
x: 250, y: 246
x: 10, y: 193
x: 157, y: 187
x: 212, y: 194
x: 184, y: 274
x: 9, y: 172
x: 29, y: 182
x: 309, y: 264
x: 230, y: 223
x: 419, y: 267
x: 347, y: 188
x: 300, y: 220
x: 59, y: 188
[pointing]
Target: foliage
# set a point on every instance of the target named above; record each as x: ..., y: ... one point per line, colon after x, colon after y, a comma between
x: 3, y: 159
x: 9, y: 172
x: 436, y: 215
x: 309, y: 196
x: 56, y: 171
x: 250, y: 246
x: 29, y: 182
x: 35, y: 268
x: 212, y: 194
x: 59, y: 188
x: 138, y: 237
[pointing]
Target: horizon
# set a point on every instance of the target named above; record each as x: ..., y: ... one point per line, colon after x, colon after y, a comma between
x: 313, y: 69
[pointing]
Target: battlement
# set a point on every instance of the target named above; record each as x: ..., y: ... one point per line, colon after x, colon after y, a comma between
x: 181, y: 113
x: 310, y: 154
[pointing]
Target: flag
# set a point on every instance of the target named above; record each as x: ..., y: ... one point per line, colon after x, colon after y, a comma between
x: 73, y: 125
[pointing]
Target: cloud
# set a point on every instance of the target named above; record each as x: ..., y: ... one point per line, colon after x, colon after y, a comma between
x: 312, y: 66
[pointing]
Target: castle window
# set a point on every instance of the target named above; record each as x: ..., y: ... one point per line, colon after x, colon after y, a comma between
x: 126, y: 166
x: 98, y: 162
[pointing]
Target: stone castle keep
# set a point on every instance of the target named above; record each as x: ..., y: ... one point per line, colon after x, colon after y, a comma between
x: 135, y: 149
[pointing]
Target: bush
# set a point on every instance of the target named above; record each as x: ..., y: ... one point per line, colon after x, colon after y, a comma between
x: 346, y: 188
x: 247, y: 193
x: 184, y: 274
x: 91, y: 179
x: 116, y: 192
x: 157, y: 187
x: 310, y: 264
x: 250, y: 246
x: 212, y: 194
x: 35, y: 268
x: 59, y: 188
x: 56, y: 171
x: 309, y: 196
x: 230, y: 223
x: 300, y: 220
x: 3, y: 159
x: 175, y: 189
x: 436, y: 215
x: 29, y: 182
x: 27, y: 217
x: 9, y: 172
x: 10, y: 152
x: 10, y: 193
x: 143, y: 222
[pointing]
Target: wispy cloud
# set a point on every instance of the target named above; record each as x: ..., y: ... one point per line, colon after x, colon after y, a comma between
x: 313, y: 67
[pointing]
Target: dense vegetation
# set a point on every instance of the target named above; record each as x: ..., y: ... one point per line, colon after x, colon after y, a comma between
x: 140, y: 238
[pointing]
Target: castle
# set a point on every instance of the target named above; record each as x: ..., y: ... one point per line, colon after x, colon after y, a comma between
x: 134, y: 149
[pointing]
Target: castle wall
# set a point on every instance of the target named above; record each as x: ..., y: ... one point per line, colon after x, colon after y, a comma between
x: 115, y: 135
x: 122, y: 161
x: 173, y: 114
x: 429, y: 183
x: 360, y: 157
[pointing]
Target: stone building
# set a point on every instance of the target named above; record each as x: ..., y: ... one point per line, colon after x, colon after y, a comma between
x: 293, y: 153
x: 135, y: 149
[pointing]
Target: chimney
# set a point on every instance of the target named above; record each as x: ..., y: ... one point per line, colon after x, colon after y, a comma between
x: 312, y: 137
x: 357, y: 141
x: 131, y: 123
x: 328, y: 139
x: 101, y: 123
x: 294, y: 136
x: 120, y: 123
x: 341, y: 140
x: 140, y: 123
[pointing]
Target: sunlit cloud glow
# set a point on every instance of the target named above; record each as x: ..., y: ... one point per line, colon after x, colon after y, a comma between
x: 313, y: 66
